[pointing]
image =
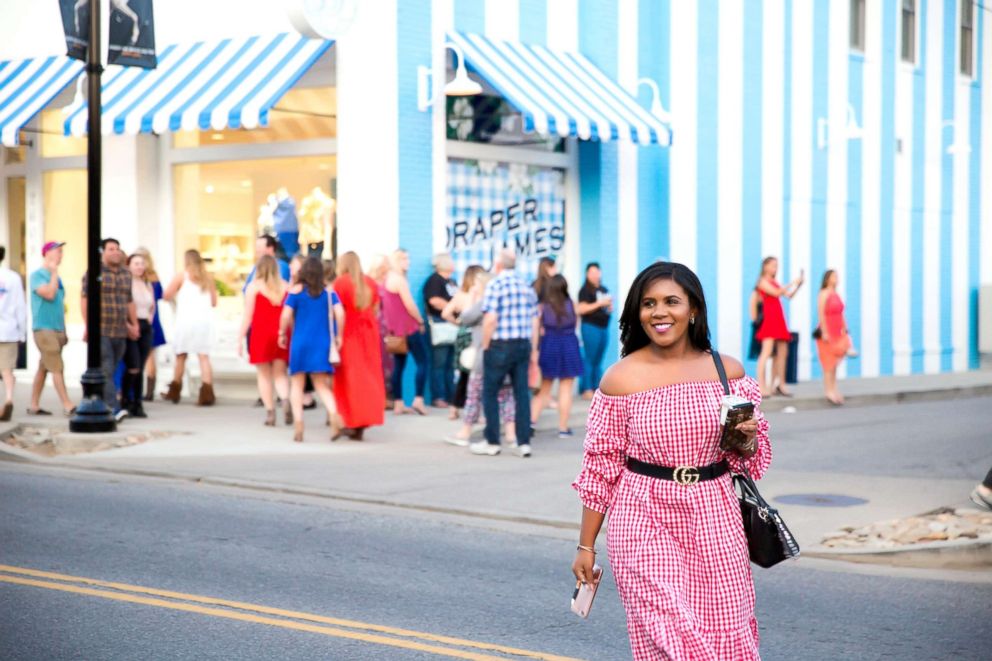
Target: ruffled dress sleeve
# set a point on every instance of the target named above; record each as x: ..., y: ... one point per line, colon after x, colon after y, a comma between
x: 757, y: 463
x: 604, y: 451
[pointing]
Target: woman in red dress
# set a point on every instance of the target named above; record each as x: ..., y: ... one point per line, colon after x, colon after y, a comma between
x: 677, y: 547
x: 263, y: 306
x: 833, y: 342
x: 359, y: 388
x: 774, y: 332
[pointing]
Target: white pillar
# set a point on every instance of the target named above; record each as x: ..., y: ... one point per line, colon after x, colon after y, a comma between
x: 368, y: 132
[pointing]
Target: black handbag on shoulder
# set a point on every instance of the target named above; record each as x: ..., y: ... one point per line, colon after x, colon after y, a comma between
x: 769, y: 540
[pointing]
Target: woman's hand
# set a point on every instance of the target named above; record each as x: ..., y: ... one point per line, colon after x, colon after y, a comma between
x: 283, y: 340
x: 582, y: 567
x: 750, y: 429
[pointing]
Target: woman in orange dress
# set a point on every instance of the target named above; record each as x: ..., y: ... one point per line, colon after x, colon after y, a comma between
x: 832, y: 340
x: 359, y: 388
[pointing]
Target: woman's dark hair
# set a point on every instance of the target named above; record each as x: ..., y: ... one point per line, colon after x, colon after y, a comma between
x: 632, y: 335
x: 556, y: 294
x: 312, y: 276
x: 826, y: 278
x: 589, y: 266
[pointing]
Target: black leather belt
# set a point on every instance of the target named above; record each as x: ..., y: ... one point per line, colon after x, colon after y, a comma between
x: 684, y: 475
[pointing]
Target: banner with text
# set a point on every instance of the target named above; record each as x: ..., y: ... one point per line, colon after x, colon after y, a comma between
x: 494, y: 205
x: 132, y: 34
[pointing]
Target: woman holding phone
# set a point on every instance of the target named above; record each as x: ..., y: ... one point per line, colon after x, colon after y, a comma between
x: 652, y: 457
x: 774, y: 332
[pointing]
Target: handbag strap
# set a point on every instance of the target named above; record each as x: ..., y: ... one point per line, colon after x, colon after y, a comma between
x: 744, y: 477
x: 721, y: 371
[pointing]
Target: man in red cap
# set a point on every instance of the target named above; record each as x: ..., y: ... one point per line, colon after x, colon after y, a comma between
x: 48, y: 322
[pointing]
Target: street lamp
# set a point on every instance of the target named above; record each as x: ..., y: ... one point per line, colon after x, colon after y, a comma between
x: 656, y: 108
x: 460, y: 85
x: 92, y: 414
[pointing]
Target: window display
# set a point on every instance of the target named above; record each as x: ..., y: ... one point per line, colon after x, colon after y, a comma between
x: 220, y: 208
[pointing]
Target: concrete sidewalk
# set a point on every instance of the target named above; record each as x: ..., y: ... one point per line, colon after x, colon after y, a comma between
x: 405, y: 463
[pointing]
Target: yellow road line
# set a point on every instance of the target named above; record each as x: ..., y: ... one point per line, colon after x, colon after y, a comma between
x: 332, y: 631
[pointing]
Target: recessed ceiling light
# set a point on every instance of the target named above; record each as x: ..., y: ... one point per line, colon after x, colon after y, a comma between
x: 217, y: 136
x: 246, y: 183
x: 323, y: 166
x: 209, y: 189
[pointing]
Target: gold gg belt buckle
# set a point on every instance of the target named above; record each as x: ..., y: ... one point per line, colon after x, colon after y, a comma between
x: 686, y: 476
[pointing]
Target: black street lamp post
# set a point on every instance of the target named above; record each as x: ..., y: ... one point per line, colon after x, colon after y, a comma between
x: 92, y: 414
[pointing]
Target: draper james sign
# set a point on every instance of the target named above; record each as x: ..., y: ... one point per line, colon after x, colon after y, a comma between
x: 496, y: 205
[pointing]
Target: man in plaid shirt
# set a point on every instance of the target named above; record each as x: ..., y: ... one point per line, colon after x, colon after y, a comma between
x: 509, y: 341
x: 118, y: 316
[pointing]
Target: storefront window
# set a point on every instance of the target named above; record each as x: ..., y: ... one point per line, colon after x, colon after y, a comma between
x: 301, y: 114
x: 16, y: 218
x: 491, y: 120
x: 65, y: 220
x: 53, y: 143
x: 220, y: 208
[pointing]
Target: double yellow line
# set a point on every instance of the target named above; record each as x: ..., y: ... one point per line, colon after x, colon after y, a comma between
x: 448, y: 646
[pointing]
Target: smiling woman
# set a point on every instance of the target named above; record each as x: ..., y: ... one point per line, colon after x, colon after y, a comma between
x: 675, y: 537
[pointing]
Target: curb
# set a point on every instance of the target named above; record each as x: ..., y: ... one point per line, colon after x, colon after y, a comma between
x: 808, y: 403
x: 968, y: 554
x: 8, y: 453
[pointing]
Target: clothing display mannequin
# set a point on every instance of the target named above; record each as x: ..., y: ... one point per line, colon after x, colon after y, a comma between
x: 285, y: 224
x: 264, y: 222
x: 316, y: 222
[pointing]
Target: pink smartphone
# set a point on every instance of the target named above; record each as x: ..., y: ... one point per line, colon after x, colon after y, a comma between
x: 585, y: 593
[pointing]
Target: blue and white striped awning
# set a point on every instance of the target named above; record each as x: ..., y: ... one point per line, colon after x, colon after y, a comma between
x: 207, y: 85
x: 561, y: 93
x: 27, y: 86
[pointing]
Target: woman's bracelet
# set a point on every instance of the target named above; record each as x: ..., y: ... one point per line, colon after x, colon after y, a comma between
x: 586, y: 548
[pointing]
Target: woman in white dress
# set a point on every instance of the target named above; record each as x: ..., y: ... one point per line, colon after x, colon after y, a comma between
x: 195, y: 294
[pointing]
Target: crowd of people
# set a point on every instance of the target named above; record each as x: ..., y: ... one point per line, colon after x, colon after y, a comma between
x: 489, y: 346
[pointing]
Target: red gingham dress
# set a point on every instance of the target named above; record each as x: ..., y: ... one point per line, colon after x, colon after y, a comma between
x: 677, y: 552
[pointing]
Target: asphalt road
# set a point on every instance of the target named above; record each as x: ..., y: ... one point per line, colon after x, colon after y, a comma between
x: 942, y: 439
x: 388, y: 568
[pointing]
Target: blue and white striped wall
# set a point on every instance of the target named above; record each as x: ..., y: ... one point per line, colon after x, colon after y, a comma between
x: 908, y: 225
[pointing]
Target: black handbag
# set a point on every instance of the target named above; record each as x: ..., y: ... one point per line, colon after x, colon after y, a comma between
x: 769, y: 540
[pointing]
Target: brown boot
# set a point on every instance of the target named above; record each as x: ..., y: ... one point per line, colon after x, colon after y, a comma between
x: 206, y: 395
x: 149, y: 389
x: 173, y: 393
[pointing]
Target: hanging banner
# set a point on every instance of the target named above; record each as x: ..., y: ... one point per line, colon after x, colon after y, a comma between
x: 132, y: 34
x: 495, y: 205
x: 76, y: 25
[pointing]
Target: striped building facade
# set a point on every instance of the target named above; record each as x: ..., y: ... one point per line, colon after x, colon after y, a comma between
x: 788, y: 141
x: 874, y: 159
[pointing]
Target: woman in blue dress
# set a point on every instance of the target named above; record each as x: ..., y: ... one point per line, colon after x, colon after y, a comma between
x: 305, y: 327
x: 559, y: 356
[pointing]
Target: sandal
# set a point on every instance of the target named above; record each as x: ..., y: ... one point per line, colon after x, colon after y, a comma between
x: 782, y: 393
x: 38, y: 411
